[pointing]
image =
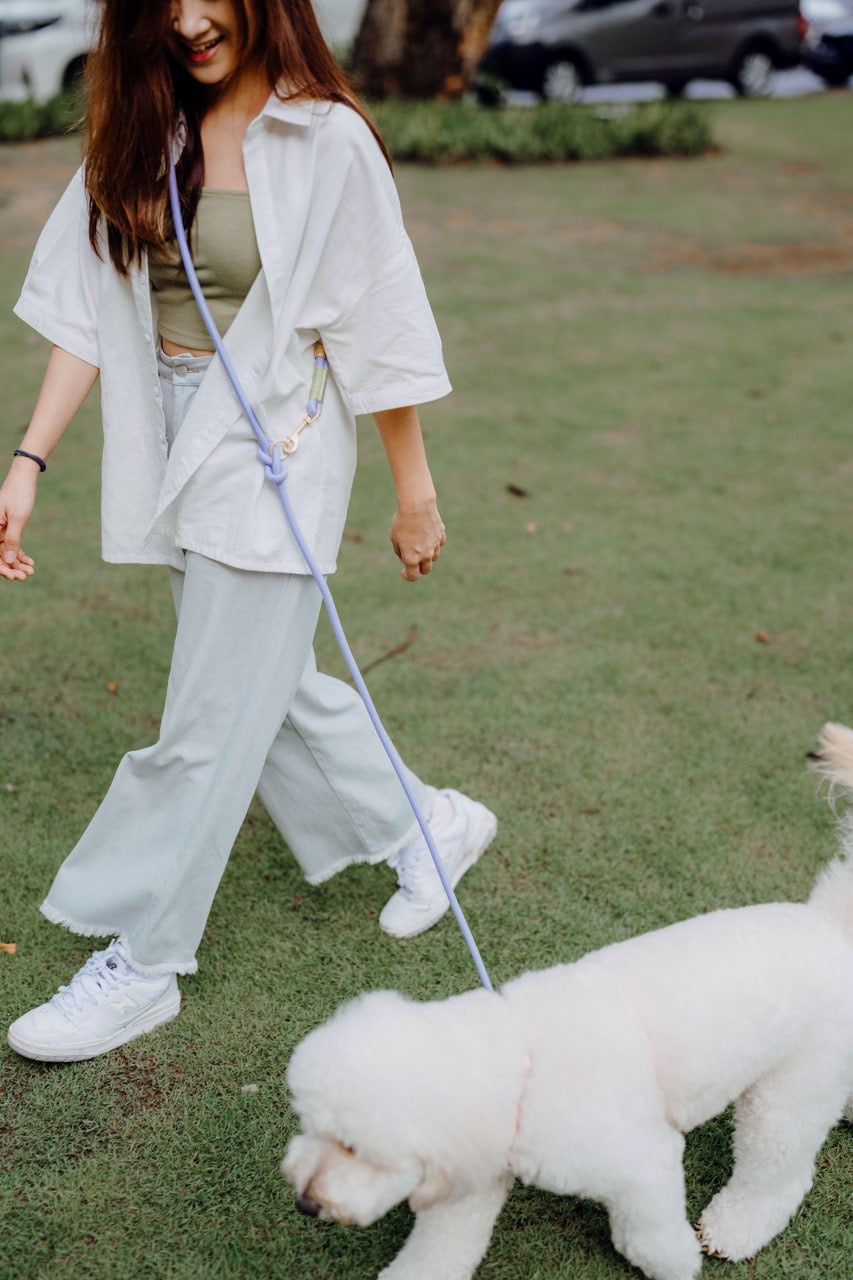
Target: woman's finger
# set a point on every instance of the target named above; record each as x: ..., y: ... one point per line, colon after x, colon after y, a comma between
x: 16, y: 572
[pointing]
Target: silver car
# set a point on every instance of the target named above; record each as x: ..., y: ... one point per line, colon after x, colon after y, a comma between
x: 828, y: 39
x: 43, y: 45
x: 555, y: 47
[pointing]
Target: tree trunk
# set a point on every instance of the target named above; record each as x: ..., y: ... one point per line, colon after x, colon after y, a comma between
x: 420, y: 48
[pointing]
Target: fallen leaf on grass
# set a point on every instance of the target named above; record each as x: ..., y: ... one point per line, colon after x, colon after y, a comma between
x: 763, y: 637
x: 10, y: 947
x: 112, y: 687
x: 517, y: 491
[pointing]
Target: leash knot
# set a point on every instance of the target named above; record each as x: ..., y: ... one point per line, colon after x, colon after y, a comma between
x: 274, y: 468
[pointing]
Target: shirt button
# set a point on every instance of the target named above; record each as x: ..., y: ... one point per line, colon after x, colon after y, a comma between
x: 148, y: 337
x: 181, y: 370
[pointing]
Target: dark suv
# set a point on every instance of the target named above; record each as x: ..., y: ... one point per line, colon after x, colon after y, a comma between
x: 555, y: 47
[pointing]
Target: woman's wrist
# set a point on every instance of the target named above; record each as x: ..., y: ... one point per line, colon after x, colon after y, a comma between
x: 414, y: 500
x: 28, y: 457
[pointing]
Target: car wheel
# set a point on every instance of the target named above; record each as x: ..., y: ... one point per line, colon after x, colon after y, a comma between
x: 835, y: 79
x: 675, y: 88
x: 562, y: 81
x: 752, y: 74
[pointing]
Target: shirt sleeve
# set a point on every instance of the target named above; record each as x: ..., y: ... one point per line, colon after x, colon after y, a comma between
x: 381, y: 338
x: 59, y: 296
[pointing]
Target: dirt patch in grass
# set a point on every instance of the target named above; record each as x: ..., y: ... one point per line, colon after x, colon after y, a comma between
x: 815, y: 258
x: 139, y: 1081
x: 34, y: 176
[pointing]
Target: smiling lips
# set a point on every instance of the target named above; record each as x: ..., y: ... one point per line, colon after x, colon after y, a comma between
x: 203, y: 52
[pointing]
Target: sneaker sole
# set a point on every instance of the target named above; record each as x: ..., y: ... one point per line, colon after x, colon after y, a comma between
x: 488, y: 826
x: 154, y: 1017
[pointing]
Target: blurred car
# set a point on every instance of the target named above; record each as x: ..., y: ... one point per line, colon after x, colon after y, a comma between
x: 43, y: 46
x: 555, y: 47
x: 827, y: 47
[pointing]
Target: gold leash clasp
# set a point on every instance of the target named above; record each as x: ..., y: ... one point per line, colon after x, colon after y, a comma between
x: 290, y: 443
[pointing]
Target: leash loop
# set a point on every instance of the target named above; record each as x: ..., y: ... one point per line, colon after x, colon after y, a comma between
x: 275, y: 470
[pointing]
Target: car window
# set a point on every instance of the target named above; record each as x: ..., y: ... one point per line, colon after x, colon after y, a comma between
x: 586, y: 5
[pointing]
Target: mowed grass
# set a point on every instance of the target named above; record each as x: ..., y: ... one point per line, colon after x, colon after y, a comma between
x: 643, y: 615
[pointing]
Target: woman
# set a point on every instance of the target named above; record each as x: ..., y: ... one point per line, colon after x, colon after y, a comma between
x: 297, y: 235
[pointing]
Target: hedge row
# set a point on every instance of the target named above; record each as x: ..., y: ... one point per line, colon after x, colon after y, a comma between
x: 436, y: 132
x: 23, y: 121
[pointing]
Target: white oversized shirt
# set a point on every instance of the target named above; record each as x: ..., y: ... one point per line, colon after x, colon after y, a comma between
x: 336, y: 263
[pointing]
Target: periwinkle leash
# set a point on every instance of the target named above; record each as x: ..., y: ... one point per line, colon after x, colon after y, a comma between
x: 272, y: 455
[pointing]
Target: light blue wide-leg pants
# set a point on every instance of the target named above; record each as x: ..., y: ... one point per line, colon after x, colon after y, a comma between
x: 246, y: 710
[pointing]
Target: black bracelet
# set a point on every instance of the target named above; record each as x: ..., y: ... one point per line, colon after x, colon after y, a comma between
x: 33, y: 457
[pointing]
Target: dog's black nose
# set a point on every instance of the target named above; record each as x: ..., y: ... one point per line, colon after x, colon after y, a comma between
x: 308, y: 1206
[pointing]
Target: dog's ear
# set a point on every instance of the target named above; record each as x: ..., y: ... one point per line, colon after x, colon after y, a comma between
x: 435, y: 1185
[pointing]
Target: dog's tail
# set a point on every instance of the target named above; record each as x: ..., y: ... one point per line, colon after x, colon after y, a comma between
x: 833, y: 890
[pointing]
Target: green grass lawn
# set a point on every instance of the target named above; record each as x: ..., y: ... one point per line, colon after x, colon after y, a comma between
x: 628, y: 656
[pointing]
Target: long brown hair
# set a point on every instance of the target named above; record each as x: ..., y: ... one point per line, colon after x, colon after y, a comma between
x: 138, y: 94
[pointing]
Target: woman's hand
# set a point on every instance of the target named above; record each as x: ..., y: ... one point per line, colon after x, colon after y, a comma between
x: 417, y: 536
x: 417, y: 530
x: 17, y: 498
x: 67, y: 382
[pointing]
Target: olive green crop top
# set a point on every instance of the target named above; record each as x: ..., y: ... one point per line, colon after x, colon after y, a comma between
x: 225, y: 253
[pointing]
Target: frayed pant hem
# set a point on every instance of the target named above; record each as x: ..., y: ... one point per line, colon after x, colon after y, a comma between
x: 349, y: 860
x: 111, y: 931
x: 367, y: 859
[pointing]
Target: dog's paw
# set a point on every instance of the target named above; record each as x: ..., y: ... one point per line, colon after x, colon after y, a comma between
x: 705, y: 1243
x: 670, y: 1253
x: 741, y: 1219
x: 725, y: 1232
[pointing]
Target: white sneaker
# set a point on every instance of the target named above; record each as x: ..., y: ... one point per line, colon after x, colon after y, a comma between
x: 420, y: 900
x: 105, y: 1004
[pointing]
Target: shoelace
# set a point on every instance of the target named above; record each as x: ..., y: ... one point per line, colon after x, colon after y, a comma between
x: 416, y: 872
x: 90, y: 982
x: 414, y: 869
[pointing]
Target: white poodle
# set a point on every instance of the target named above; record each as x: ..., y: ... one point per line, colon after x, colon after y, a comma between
x: 583, y: 1078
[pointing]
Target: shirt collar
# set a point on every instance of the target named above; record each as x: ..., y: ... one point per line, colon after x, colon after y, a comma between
x: 290, y: 110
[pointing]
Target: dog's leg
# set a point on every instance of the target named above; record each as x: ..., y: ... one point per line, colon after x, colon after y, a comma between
x: 449, y: 1239
x: 648, y: 1214
x: 780, y: 1125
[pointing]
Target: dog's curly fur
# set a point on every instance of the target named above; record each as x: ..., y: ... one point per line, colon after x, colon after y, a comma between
x: 583, y: 1078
